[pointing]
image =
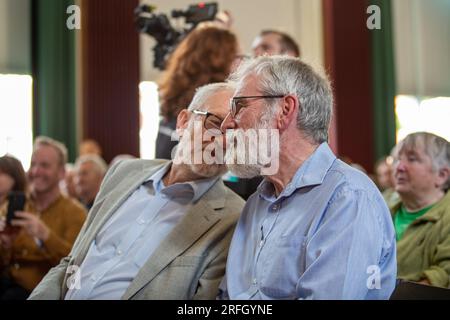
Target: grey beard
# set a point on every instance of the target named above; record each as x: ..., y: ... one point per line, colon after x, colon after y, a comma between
x: 246, y: 170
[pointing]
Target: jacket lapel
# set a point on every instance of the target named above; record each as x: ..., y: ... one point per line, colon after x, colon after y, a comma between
x: 197, y: 221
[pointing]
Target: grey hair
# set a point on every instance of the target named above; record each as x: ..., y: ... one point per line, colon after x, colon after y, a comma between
x: 283, y: 75
x: 100, y: 165
x: 59, y: 147
x: 437, y: 148
x: 204, y: 92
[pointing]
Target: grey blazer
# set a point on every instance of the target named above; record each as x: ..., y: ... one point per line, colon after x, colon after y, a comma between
x: 188, y: 264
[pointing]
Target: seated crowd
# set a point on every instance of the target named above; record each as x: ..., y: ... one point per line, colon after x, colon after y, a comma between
x: 316, y: 228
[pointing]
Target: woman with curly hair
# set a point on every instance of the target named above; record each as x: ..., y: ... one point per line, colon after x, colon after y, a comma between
x: 206, y: 55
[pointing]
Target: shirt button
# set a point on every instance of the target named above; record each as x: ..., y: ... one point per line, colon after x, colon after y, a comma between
x: 275, y: 207
x: 141, y: 221
x: 261, y: 243
x: 119, y: 252
x: 254, y: 282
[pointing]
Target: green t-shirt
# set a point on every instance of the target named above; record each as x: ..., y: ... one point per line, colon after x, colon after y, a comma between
x: 403, y: 219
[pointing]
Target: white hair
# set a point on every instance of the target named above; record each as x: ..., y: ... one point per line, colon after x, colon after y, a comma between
x: 204, y: 92
x: 437, y: 148
x: 99, y: 164
x: 59, y: 147
x: 121, y: 157
x: 283, y: 75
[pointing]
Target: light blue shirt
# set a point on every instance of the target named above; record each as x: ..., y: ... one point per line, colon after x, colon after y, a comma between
x: 128, y: 239
x: 328, y: 235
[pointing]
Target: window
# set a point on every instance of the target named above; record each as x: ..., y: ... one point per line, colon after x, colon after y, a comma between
x: 149, y: 109
x: 16, y: 135
x: 429, y: 114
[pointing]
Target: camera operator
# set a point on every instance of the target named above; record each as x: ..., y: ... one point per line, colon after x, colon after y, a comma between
x: 205, y: 55
x: 274, y: 42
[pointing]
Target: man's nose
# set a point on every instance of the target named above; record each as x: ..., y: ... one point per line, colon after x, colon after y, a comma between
x: 400, y: 166
x: 227, y: 123
x: 258, y: 51
x: 34, y: 171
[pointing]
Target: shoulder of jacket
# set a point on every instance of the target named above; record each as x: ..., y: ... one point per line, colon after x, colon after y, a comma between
x: 73, y: 205
x: 137, y: 164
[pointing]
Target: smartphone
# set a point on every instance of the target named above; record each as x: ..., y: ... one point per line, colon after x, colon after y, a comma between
x: 16, y: 202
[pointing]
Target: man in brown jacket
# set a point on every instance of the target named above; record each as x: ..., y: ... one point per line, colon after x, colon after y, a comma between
x: 47, y: 228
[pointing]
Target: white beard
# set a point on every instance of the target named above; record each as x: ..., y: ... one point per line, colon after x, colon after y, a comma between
x: 185, y: 154
x: 208, y: 170
x: 247, y: 170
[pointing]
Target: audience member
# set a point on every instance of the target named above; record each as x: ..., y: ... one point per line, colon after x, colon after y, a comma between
x: 158, y: 229
x: 384, y: 178
x: 67, y: 184
x: 205, y: 56
x: 353, y: 164
x: 12, y: 179
x: 316, y: 228
x: 273, y: 42
x: 269, y: 42
x: 89, y: 146
x: 383, y: 172
x: 90, y: 170
x: 422, y: 215
x: 48, y: 226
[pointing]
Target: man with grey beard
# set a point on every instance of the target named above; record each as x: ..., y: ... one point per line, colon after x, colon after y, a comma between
x: 316, y: 228
x: 158, y: 229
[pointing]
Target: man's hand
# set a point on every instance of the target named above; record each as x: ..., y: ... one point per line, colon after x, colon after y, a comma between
x: 425, y: 281
x: 32, y: 225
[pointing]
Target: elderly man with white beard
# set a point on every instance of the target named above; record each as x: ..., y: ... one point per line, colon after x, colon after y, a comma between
x: 316, y: 228
x: 157, y: 229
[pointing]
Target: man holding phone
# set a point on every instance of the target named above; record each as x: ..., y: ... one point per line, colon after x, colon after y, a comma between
x: 16, y: 202
x: 46, y: 229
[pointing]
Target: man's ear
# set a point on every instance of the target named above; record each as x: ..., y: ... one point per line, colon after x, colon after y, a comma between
x: 182, y: 121
x: 443, y: 175
x: 62, y: 172
x: 289, y: 112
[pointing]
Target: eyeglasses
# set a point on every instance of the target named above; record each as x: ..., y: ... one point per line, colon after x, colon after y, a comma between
x: 212, y: 122
x: 237, y: 103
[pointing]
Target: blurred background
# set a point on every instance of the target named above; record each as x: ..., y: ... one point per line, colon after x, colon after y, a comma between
x: 98, y: 82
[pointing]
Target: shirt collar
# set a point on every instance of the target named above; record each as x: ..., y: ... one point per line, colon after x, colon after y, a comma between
x: 52, y: 204
x: 156, y: 178
x: 436, y: 212
x: 433, y: 215
x: 191, y: 189
x: 311, y: 172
